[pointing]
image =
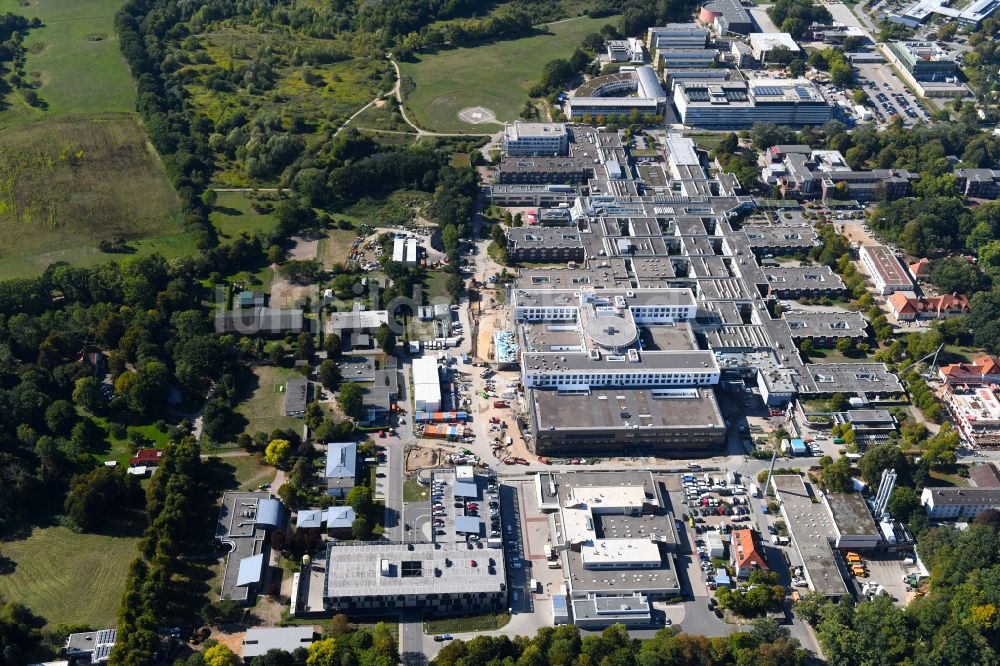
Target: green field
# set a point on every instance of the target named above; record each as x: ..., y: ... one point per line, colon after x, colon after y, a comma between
x: 68, y: 577
x: 234, y: 213
x: 263, y: 402
x: 66, y: 184
x: 495, y: 75
x: 74, y: 57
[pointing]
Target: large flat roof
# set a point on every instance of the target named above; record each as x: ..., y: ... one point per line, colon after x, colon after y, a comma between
x: 812, y: 530
x: 851, y: 514
x: 419, y: 568
x: 601, y: 409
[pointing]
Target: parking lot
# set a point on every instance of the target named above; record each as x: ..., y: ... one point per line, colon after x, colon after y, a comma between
x: 887, y: 95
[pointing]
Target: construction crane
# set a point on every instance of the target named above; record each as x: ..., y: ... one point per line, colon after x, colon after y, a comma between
x: 921, y: 360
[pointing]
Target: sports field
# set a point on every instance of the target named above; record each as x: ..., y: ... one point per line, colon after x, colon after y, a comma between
x: 495, y: 76
x: 75, y: 57
x: 67, y: 577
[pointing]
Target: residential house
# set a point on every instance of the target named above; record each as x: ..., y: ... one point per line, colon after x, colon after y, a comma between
x: 146, y: 458
x: 341, y: 468
x: 920, y: 269
x: 746, y: 553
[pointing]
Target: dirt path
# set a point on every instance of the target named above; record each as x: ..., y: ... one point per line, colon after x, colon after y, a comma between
x: 402, y: 109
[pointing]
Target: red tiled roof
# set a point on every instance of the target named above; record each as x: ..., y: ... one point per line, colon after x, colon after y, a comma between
x: 145, y: 457
x: 746, y: 550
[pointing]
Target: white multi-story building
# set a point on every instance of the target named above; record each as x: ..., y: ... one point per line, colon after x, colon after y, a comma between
x: 732, y: 104
x: 886, y: 271
x: 959, y: 502
x: 525, y: 139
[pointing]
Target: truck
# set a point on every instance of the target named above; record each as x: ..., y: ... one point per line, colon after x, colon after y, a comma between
x: 853, y: 558
x: 533, y: 586
x: 753, y: 490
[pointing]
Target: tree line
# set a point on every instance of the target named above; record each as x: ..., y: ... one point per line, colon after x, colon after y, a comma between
x: 767, y: 643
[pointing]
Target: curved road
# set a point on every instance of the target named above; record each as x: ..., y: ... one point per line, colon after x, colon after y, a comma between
x: 402, y: 107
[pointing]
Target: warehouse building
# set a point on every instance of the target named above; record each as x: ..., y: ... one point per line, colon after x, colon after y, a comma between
x: 813, y: 533
x: 405, y: 251
x: 853, y: 525
x: 426, y: 384
x: 737, y: 104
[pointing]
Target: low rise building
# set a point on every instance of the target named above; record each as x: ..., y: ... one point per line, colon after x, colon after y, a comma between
x: 762, y: 44
x: 617, y: 542
x: 985, y: 369
x: 426, y: 384
x: 93, y: 646
x: 626, y: 50
x: 853, y: 525
x: 953, y: 503
x: 978, y: 183
x: 885, y: 269
x: 541, y: 244
x: 925, y: 61
x: 620, y: 94
x: 259, y: 640
x: 260, y: 321
x: 907, y: 306
x: 826, y: 328
x: 245, y: 521
x: 434, y: 577
x: 727, y: 16
x: 676, y: 35
x: 341, y: 470
x: 746, y: 553
x: 296, y: 396
x: 813, y: 533
x: 799, y: 281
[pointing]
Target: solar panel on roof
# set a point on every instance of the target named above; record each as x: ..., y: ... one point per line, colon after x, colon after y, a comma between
x: 697, y: 95
x: 768, y: 90
x: 802, y: 92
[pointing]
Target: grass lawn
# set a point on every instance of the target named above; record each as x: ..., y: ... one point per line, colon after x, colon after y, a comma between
x: 435, y: 287
x: 250, y: 471
x: 68, y: 577
x: 945, y: 478
x: 413, y: 491
x: 264, y: 401
x: 831, y: 355
x: 495, y: 75
x: 74, y: 57
x: 67, y: 184
x: 119, y: 448
x: 234, y: 213
x: 958, y: 354
x: 458, y: 625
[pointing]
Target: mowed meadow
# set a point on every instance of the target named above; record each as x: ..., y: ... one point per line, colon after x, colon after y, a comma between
x: 78, y: 169
x: 496, y: 75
